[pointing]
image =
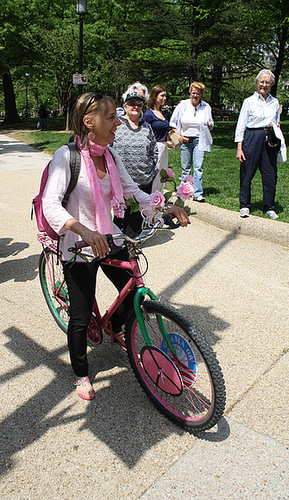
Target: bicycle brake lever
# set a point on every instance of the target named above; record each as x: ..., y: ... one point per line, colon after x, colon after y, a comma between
x: 169, y: 221
x: 113, y: 247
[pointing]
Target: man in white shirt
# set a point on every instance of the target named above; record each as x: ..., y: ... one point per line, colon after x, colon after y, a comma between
x: 258, y: 113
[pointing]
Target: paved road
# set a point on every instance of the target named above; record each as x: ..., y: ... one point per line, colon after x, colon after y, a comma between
x: 234, y: 286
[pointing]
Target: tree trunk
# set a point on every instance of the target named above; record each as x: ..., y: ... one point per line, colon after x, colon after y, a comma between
x: 11, y: 114
x: 216, y: 85
x: 280, y: 59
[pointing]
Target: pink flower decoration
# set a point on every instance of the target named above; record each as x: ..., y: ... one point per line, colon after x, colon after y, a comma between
x: 185, y: 190
x: 118, y: 208
x: 170, y: 172
x: 189, y: 179
x: 157, y: 200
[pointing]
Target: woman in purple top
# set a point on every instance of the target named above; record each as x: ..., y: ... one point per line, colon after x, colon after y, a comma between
x: 160, y: 125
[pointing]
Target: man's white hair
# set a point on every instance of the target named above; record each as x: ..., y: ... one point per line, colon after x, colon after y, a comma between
x: 266, y: 72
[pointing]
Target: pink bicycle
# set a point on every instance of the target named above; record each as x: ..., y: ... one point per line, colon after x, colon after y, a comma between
x: 172, y: 361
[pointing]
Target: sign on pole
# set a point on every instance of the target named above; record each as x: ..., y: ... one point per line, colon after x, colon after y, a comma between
x: 79, y: 79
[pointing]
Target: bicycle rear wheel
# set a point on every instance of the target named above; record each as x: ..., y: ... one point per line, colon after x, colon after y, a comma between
x: 192, y: 394
x: 54, y: 288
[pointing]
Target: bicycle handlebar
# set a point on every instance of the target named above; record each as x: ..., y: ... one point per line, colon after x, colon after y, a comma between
x: 143, y: 236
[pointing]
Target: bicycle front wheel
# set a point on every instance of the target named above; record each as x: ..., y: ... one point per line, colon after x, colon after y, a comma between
x: 178, y: 369
x: 54, y: 288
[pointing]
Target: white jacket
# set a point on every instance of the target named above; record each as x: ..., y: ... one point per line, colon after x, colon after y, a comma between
x: 205, y: 138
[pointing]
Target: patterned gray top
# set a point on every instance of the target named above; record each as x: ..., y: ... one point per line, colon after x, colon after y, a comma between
x: 138, y: 150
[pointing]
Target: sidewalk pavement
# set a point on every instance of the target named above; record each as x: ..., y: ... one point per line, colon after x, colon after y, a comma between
x: 231, y: 277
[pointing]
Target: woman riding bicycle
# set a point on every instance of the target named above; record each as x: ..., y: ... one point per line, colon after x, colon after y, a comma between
x: 103, y: 183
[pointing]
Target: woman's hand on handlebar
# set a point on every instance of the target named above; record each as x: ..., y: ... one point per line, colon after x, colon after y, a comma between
x: 179, y: 213
x: 97, y: 241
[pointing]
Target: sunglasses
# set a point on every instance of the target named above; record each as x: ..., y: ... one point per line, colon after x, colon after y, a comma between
x: 134, y: 104
x: 94, y: 96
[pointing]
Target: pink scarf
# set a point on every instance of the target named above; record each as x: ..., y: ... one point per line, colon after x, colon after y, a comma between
x: 102, y: 217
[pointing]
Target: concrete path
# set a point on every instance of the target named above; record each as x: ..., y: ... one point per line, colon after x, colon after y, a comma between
x: 234, y: 286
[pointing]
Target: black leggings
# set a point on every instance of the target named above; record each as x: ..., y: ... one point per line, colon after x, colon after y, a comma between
x: 81, y: 282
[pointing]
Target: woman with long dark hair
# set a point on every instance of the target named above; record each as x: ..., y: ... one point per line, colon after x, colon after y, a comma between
x: 157, y: 119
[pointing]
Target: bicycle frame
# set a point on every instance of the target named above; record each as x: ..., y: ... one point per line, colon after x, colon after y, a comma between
x: 135, y: 281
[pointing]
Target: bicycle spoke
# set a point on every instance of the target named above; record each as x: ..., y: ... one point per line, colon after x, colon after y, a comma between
x: 54, y: 287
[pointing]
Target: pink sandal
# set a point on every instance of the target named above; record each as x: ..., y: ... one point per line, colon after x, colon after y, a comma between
x: 84, y: 383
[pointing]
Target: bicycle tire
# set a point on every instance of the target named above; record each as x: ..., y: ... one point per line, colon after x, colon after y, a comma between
x: 202, y: 401
x: 58, y: 308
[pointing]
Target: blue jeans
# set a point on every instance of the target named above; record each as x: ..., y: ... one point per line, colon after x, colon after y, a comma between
x: 190, y: 154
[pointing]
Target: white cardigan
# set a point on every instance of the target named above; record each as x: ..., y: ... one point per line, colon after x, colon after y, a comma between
x: 205, y: 138
x: 81, y: 203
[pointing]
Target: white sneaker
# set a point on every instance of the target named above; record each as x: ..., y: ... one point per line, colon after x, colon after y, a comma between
x: 200, y: 199
x: 244, y: 212
x: 272, y: 214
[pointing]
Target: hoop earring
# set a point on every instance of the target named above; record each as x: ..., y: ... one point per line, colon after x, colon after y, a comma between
x: 91, y: 136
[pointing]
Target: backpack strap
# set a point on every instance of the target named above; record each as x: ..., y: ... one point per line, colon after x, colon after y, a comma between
x: 74, y: 168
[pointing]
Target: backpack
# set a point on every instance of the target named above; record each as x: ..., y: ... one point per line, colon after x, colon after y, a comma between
x: 42, y: 223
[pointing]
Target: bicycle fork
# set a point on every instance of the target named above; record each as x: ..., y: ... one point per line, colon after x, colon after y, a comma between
x: 139, y: 296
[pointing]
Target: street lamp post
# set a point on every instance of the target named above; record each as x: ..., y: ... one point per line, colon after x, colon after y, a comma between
x: 81, y: 10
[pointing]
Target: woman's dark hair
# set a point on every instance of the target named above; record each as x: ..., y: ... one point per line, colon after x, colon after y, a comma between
x: 155, y: 91
x: 86, y: 104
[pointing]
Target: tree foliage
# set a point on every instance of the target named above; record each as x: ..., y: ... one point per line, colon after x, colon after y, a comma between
x: 173, y: 42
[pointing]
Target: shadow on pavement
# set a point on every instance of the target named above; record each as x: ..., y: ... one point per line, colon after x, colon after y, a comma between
x: 19, y: 269
x: 15, y: 147
x: 201, y: 317
x: 7, y: 248
x: 121, y: 416
x: 220, y: 433
x: 196, y: 268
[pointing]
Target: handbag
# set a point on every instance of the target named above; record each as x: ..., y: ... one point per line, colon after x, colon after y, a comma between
x: 282, y: 154
x: 273, y: 143
x: 173, y: 140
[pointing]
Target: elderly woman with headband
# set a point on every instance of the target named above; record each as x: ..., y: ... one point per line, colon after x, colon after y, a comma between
x: 193, y: 121
x: 102, y: 180
x: 258, y: 113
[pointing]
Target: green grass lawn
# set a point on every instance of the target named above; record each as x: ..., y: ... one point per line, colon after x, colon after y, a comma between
x: 221, y: 168
x: 47, y: 141
x: 221, y: 174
